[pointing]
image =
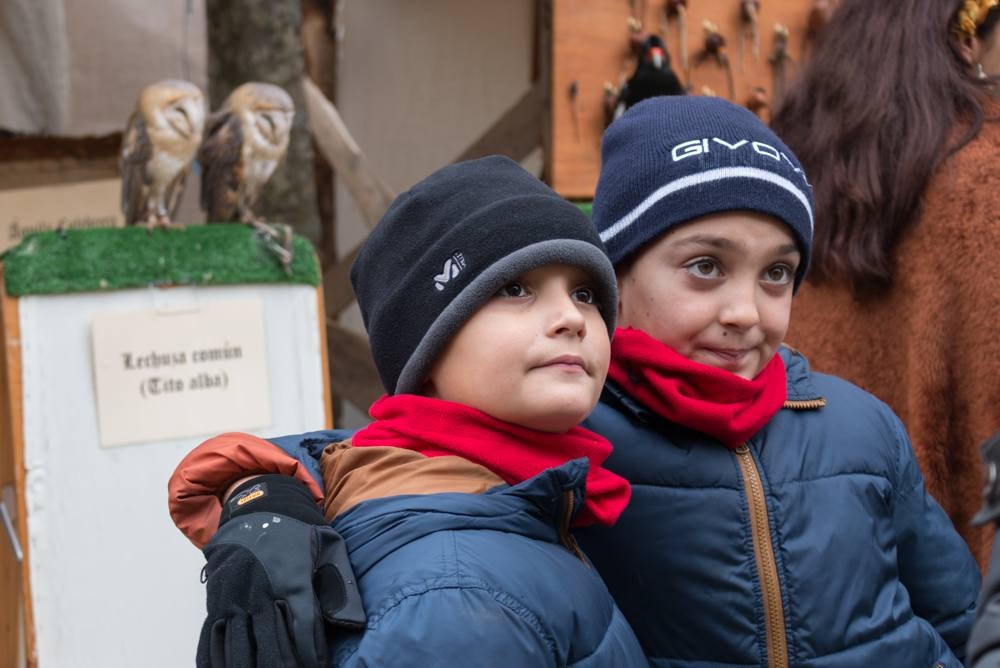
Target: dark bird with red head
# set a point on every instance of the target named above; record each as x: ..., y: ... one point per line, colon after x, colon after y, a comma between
x: 653, y: 75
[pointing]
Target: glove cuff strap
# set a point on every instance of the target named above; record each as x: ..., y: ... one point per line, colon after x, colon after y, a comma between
x: 272, y: 493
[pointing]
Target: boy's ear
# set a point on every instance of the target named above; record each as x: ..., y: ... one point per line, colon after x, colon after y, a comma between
x: 621, y: 273
x: 428, y: 390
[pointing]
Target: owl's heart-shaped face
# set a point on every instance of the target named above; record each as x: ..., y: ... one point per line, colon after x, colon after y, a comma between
x: 186, y: 115
x: 273, y: 124
x: 173, y: 108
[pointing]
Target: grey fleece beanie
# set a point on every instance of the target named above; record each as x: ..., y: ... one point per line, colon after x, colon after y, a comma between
x: 450, y: 243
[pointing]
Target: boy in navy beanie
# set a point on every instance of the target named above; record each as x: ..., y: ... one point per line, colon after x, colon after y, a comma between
x: 778, y: 515
x: 489, y: 301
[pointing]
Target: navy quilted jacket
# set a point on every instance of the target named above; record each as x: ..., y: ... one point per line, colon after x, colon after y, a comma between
x: 815, y: 544
x: 475, y: 579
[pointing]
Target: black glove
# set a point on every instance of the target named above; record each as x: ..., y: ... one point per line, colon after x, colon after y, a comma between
x: 276, y: 570
x: 991, y: 491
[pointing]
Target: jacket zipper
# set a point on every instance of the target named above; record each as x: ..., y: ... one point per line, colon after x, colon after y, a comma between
x: 767, y: 567
x: 804, y: 404
x: 565, y: 536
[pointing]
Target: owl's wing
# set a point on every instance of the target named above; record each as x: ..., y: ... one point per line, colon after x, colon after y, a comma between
x: 221, y: 167
x: 136, y: 152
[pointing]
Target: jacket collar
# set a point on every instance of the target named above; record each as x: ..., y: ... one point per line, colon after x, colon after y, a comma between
x: 800, y: 386
x: 534, y: 508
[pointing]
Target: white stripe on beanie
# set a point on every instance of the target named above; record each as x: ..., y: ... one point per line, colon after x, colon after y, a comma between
x: 719, y: 174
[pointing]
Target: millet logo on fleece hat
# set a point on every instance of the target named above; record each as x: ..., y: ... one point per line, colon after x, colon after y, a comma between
x: 453, y: 266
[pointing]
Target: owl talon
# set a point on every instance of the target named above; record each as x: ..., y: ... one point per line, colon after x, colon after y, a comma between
x: 164, y: 222
x: 278, y: 242
x: 150, y: 222
x: 161, y: 221
x: 286, y: 260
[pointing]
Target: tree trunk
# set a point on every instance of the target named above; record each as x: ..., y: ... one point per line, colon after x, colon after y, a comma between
x: 259, y: 40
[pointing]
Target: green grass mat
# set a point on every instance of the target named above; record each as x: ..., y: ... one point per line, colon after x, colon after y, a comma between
x: 586, y: 207
x: 131, y: 257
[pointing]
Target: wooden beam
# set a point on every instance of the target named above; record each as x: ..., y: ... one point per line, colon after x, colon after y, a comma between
x: 10, y: 568
x: 12, y: 437
x: 337, y: 284
x: 352, y: 371
x: 335, y: 142
x: 517, y: 132
x: 325, y: 354
x: 35, y: 147
x: 35, y: 173
x: 319, y: 46
x: 544, y: 46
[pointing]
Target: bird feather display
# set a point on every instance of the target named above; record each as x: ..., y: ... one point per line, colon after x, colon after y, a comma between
x: 245, y: 140
x: 159, y: 144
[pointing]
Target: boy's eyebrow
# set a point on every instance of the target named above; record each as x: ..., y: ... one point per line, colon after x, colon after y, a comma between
x: 787, y: 248
x: 705, y: 240
x: 723, y: 243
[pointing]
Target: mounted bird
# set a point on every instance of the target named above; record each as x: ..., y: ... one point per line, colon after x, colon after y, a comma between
x: 159, y: 144
x: 653, y: 75
x: 245, y: 141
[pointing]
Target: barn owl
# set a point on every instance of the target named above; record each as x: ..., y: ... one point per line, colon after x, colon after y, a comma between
x: 160, y: 141
x: 244, y: 142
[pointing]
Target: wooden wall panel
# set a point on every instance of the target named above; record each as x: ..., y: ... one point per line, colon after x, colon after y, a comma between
x: 591, y: 47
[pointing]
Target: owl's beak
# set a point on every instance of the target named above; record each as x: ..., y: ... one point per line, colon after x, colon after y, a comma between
x: 272, y: 128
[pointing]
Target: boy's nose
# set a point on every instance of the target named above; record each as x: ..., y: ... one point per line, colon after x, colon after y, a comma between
x: 567, y: 318
x: 740, y: 310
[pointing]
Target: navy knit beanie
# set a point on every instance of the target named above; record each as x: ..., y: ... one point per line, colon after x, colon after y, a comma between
x: 669, y: 160
x: 449, y: 244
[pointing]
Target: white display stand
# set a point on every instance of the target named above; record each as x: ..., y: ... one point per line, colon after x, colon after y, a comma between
x: 106, y: 579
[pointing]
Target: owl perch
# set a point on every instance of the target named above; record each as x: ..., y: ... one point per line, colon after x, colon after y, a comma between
x: 159, y: 144
x: 244, y: 143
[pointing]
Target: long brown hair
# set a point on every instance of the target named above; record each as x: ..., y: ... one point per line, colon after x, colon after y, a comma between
x: 884, y: 98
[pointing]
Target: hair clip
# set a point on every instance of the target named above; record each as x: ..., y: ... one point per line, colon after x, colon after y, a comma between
x: 971, y: 16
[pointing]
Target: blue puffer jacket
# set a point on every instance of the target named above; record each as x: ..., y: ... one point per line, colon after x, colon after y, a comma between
x: 817, y: 545
x: 475, y: 579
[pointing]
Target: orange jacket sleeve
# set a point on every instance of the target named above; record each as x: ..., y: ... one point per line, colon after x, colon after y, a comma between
x: 195, y: 489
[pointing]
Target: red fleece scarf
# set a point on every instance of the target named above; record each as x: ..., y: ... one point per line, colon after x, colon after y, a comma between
x: 434, y: 427
x: 710, y: 400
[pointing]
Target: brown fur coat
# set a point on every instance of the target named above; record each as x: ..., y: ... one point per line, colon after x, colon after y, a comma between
x: 930, y: 347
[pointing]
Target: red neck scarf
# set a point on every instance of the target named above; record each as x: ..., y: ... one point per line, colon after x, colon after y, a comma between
x: 701, y: 397
x: 434, y: 427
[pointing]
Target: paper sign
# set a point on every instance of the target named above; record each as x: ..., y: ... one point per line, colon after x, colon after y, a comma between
x: 167, y: 374
x: 71, y: 206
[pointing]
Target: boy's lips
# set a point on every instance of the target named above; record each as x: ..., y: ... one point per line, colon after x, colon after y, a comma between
x: 567, y: 362
x: 730, y: 356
